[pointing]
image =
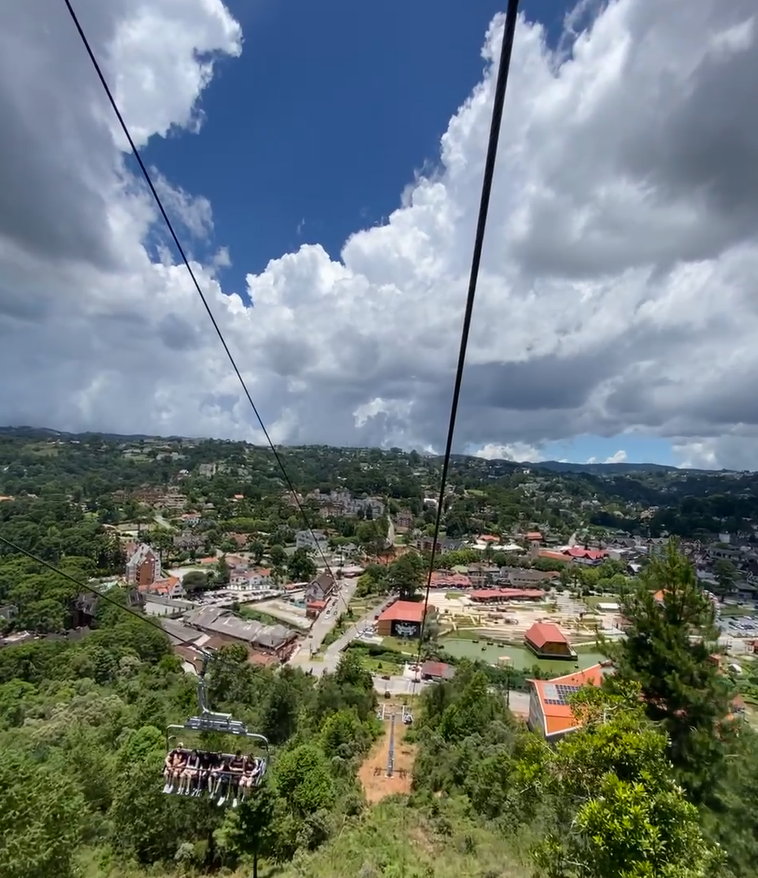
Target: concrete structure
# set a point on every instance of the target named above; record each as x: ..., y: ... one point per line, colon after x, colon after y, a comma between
x: 315, y: 540
x: 401, y: 619
x: 547, y: 641
x: 143, y: 565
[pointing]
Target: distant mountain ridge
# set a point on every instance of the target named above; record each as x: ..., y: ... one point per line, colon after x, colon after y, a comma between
x: 562, y: 466
x: 557, y: 466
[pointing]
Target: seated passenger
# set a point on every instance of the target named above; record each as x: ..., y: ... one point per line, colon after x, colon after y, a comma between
x: 249, y: 775
x: 173, y: 767
x: 218, y: 772
x: 203, y: 775
x: 236, y: 771
x: 191, y: 769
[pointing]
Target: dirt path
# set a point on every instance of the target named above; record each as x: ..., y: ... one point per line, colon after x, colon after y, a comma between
x: 373, y: 772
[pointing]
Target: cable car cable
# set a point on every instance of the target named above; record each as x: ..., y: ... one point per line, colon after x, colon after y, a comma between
x: 509, y: 30
x: 195, y: 282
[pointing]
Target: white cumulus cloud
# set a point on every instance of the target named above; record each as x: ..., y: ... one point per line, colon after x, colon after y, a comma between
x: 617, y: 281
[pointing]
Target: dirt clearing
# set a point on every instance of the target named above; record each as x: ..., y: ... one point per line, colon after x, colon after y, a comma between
x: 373, y: 772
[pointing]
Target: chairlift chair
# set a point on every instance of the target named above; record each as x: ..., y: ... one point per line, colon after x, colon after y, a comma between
x: 221, y: 783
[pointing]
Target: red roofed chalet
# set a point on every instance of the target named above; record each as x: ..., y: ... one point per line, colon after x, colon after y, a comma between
x: 401, y: 619
x: 546, y: 640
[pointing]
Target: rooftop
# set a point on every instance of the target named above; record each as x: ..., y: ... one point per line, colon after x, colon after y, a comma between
x: 220, y: 621
x: 403, y: 611
x: 545, y: 632
x: 485, y: 594
x: 554, y: 696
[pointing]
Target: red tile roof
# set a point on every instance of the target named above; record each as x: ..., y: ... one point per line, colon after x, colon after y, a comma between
x: 506, y: 594
x: 435, y: 669
x: 534, y: 535
x: 545, y: 632
x: 403, y: 611
x: 580, y: 552
x: 553, y: 555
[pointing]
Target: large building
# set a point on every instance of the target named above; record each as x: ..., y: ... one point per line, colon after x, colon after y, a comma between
x: 549, y: 711
x: 143, y: 565
x: 401, y: 619
x: 547, y: 641
x: 275, y: 640
x: 503, y: 595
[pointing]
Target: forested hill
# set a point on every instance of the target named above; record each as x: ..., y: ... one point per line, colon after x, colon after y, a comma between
x: 606, y: 469
x: 559, y: 466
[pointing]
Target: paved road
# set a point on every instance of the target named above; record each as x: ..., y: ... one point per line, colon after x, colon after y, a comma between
x: 321, y: 627
x: 302, y: 659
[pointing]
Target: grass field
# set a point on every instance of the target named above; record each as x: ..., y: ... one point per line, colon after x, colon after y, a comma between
x: 380, y: 666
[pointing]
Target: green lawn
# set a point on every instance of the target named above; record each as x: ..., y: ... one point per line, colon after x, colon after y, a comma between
x: 407, y: 647
x: 377, y: 666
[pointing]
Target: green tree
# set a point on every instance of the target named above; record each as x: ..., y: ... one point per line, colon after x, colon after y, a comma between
x: 668, y: 649
x: 41, y: 818
x: 304, y: 780
x: 257, y: 550
x: 300, y: 566
x: 726, y: 577
x: 277, y: 556
x: 406, y: 574
x: 252, y: 832
x: 617, y: 808
x: 195, y: 580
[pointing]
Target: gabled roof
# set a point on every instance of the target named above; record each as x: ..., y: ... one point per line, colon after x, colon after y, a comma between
x: 545, y: 632
x: 553, y: 695
x: 403, y: 611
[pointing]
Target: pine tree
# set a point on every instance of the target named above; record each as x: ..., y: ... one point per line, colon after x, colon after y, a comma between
x: 671, y: 638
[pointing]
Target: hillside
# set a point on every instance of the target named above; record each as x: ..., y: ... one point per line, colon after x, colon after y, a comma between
x: 606, y: 469
x: 391, y: 840
x: 498, y: 465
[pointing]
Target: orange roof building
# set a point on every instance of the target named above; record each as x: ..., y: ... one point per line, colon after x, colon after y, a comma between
x: 401, y: 619
x: 549, y: 711
x: 546, y: 640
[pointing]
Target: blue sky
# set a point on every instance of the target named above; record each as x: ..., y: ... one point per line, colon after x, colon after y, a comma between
x: 315, y: 131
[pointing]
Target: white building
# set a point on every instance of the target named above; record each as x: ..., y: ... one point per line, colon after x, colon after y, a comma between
x: 257, y: 579
x: 316, y: 541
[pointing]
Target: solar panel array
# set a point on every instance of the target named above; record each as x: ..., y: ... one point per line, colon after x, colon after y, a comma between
x: 558, y: 693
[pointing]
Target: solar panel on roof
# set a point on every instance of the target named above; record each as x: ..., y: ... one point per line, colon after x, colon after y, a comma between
x: 559, y: 693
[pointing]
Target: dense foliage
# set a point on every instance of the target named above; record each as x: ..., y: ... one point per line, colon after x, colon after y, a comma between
x: 659, y: 781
